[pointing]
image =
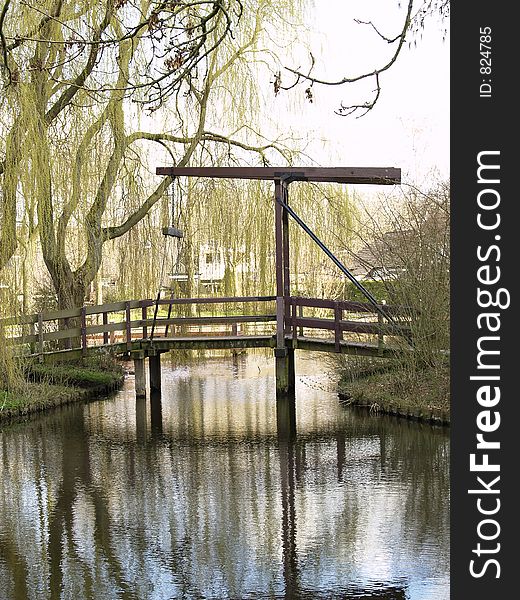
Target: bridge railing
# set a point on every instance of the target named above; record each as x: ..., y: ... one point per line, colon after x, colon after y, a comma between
x: 119, y: 323
x: 297, y: 322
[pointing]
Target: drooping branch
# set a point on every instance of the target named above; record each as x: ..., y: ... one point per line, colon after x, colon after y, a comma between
x: 375, y: 74
x: 79, y: 81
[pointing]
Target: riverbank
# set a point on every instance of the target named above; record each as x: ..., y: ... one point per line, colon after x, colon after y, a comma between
x: 422, y: 395
x: 48, y: 386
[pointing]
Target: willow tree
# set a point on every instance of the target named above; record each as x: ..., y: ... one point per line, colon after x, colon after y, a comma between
x: 90, y: 89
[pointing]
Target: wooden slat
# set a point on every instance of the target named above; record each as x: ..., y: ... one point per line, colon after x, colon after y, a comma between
x: 111, y: 307
x: 352, y: 326
x: 83, y: 331
x: 121, y: 326
x: 167, y: 301
x: 54, y: 315
x: 24, y: 339
x: 62, y: 334
x: 348, y: 305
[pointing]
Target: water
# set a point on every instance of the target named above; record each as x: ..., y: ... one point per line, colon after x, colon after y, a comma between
x: 206, y: 496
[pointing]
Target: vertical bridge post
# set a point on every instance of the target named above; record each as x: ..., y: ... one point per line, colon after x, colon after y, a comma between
x: 155, y: 374
x: 140, y: 375
x: 284, y: 356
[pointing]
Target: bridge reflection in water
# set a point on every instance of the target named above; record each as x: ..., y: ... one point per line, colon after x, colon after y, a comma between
x: 217, y: 492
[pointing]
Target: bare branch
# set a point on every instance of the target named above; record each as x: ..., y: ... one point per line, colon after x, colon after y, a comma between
x: 367, y: 106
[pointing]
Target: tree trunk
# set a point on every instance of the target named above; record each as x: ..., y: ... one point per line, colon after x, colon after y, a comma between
x: 71, y: 293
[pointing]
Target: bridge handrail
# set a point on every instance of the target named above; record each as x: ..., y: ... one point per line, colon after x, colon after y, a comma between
x: 294, y: 321
x: 347, y: 305
x: 94, y: 309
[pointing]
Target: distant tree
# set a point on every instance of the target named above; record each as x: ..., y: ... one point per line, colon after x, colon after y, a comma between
x: 409, y: 236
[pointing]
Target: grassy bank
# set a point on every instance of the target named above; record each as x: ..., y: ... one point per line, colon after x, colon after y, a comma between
x: 47, y: 386
x: 422, y: 394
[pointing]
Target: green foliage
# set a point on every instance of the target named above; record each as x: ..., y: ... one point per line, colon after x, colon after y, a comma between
x: 424, y: 393
x: 411, y: 235
x: 89, y: 373
x: 378, y: 289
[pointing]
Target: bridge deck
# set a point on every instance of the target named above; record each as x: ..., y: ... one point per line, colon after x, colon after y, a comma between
x: 159, y: 345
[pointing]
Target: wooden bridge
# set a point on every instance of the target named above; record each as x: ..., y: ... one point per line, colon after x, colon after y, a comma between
x: 125, y: 328
x: 278, y: 322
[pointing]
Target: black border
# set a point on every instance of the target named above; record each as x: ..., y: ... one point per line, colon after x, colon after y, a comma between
x: 479, y: 124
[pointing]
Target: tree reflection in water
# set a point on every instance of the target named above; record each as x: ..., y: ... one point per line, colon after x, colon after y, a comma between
x: 213, y: 493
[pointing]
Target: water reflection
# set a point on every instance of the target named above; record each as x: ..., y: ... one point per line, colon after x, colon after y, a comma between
x: 220, y: 492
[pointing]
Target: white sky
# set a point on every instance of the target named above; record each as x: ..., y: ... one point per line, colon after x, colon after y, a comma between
x: 409, y: 127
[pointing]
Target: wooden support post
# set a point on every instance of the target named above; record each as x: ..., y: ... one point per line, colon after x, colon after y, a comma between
x: 284, y: 356
x: 155, y: 374
x: 156, y: 414
x: 128, y: 318
x: 286, y: 263
x: 284, y: 371
x: 338, y: 315
x: 291, y: 371
x: 380, y: 336
x: 140, y: 419
x: 294, y: 308
x: 105, y: 333
x: 32, y: 331
x: 144, y: 316
x: 278, y: 221
x: 286, y: 417
x: 140, y: 377
x: 40, y: 337
x: 83, y: 317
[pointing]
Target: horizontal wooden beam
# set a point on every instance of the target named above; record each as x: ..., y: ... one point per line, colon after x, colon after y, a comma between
x: 347, y: 347
x: 347, y: 305
x: 352, y: 326
x: 364, y: 175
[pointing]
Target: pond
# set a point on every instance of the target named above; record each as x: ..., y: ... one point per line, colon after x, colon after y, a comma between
x: 213, y: 493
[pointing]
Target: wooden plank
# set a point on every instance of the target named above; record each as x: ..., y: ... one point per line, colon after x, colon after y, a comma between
x: 349, y: 305
x: 139, y: 323
x: 62, y: 334
x: 108, y: 328
x: 54, y: 315
x: 223, y: 300
x: 347, y: 347
x: 352, y: 326
x: 211, y: 320
x: 211, y: 343
x: 83, y: 331
x: 362, y: 175
x: 24, y: 339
